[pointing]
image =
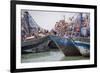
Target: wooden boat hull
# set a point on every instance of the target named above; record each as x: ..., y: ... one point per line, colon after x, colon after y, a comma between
x: 35, y: 45
x: 66, y: 46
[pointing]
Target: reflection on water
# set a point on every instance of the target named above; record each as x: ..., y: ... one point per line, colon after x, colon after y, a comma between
x: 54, y: 55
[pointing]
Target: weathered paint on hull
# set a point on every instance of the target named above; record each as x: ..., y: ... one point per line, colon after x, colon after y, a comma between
x: 66, y: 46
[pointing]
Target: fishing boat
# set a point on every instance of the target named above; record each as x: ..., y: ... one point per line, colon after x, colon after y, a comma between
x: 66, y: 46
x: 35, y: 45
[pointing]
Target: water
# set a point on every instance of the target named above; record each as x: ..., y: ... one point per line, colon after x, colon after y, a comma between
x: 54, y: 55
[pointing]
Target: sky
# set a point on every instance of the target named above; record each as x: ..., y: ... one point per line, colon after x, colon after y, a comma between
x: 47, y: 19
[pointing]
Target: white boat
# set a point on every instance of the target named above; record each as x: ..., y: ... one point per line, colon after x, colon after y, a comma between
x: 83, y: 47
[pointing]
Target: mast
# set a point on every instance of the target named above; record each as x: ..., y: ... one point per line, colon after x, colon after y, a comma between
x: 81, y: 18
x: 64, y: 17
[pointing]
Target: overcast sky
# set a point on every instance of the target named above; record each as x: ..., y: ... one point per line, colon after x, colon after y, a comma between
x: 47, y: 19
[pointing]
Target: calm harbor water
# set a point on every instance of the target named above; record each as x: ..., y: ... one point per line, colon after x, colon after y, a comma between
x: 53, y: 55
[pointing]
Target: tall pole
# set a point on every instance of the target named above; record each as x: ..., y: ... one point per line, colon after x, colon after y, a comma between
x: 81, y: 18
x: 64, y: 17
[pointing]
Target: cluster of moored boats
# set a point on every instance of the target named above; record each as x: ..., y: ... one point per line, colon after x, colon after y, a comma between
x: 68, y: 46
